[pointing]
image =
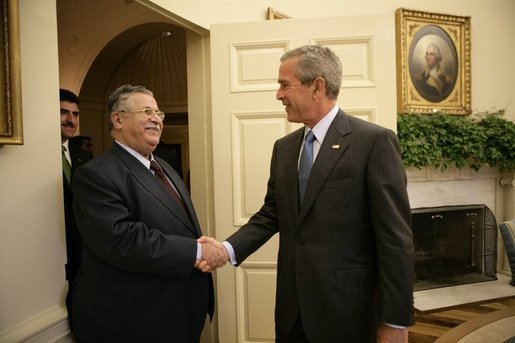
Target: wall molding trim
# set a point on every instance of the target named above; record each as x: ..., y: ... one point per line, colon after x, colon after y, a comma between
x: 50, y: 326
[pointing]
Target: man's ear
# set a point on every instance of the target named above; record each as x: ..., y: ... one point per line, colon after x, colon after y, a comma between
x: 117, y: 120
x: 318, y: 84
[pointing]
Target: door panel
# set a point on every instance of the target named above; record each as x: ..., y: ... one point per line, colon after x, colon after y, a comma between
x: 247, y: 119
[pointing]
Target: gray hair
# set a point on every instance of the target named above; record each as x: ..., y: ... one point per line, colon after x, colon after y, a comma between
x: 317, y: 61
x: 119, y: 100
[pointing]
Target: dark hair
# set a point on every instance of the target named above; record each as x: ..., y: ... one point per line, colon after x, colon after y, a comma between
x: 66, y: 95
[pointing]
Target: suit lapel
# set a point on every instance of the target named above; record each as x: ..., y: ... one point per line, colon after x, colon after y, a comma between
x: 334, y: 145
x: 291, y: 166
x: 153, y: 185
x: 78, y: 156
x: 183, y: 192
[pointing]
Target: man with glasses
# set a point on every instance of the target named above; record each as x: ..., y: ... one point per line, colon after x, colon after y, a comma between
x: 72, y: 158
x: 139, y: 281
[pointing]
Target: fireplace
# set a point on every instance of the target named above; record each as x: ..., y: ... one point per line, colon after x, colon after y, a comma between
x: 454, y: 245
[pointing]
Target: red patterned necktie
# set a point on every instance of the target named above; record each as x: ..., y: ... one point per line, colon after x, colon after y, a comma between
x: 164, y: 180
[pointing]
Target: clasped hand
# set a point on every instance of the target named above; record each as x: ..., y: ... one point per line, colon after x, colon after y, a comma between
x: 214, y: 255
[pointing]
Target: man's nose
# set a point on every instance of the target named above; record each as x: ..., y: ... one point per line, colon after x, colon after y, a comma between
x: 68, y: 116
x: 279, y: 94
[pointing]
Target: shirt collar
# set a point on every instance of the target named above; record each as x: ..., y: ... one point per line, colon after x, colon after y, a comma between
x: 320, y: 129
x: 136, y: 154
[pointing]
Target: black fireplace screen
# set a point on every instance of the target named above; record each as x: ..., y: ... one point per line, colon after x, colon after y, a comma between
x: 454, y: 245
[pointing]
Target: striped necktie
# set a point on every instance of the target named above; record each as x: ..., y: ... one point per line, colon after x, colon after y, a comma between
x: 305, y: 164
x: 159, y: 173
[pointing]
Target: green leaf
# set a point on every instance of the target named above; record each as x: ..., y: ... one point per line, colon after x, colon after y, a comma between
x: 440, y: 140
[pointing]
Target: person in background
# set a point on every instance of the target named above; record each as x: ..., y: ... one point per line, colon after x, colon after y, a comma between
x: 72, y: 158
x: 346, y: 257
x: 139, y: 281
x: 84, y: 142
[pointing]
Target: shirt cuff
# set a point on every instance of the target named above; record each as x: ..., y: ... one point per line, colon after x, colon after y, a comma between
x: 230, y: 251
x: 199, y: 251
x: 395, y: 326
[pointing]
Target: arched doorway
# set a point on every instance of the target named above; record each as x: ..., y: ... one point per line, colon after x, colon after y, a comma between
x: 155, y: 59
x: 103, y: 45
x: 99, y: 40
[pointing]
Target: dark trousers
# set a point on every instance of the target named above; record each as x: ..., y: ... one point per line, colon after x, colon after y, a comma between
x: 296, y: 334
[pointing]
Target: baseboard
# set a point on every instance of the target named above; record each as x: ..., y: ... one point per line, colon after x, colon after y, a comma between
x: 51, y: 326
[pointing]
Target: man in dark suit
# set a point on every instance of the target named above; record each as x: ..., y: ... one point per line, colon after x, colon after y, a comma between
x: 72, y: 158
x: 138, y: 281
x: 84, y: 142
x: 345, y: 262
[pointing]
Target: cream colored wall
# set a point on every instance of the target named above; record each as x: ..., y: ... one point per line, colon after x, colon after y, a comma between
x: 492, y: 31
x: 32, y: 254
x: 32, y: 250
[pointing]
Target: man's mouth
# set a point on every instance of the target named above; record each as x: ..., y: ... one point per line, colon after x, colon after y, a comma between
x: 153, y: 129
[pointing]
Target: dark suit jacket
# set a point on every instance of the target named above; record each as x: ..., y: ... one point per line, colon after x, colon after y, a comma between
x: 78, y: 157
x: 346, y: 256
x: 137, y: 282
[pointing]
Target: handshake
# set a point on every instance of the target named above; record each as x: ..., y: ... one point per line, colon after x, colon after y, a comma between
x: 214, y: 255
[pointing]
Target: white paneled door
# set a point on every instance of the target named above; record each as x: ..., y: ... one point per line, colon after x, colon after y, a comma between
x: 247, y: 119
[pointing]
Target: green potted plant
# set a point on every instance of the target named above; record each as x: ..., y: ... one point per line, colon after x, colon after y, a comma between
x: 438, y: 140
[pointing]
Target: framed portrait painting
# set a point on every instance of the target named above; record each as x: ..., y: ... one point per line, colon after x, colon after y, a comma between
x: 433, y: 62
x: 10, y: 79
x: 272, y: 14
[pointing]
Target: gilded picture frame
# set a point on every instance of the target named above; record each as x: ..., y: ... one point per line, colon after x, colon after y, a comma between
x: 11, y: 125
x: 272, y: 14
x: 433, y: 62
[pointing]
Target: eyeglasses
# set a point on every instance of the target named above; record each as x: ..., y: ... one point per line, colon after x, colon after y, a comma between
x: 148, y: 113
